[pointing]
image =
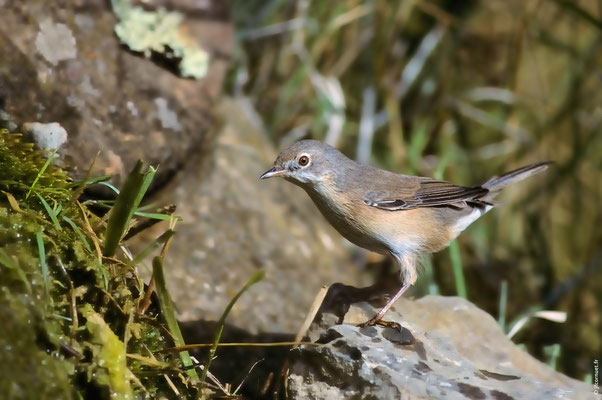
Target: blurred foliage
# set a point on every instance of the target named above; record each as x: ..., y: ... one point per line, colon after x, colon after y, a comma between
x: 459, y: 91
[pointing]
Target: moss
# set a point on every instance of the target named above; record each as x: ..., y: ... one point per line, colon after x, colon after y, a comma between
x: 66, y: 332
x: 19, y: 167
x: 109, y: 354
x: 28, y: 369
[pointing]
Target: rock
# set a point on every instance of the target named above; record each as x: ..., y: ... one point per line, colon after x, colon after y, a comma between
x: 162, y: 33
x: 234, y: 224
x: 55, y: 42
x: 49, y: 136
x: 447, y: 348
x: 66, y: 64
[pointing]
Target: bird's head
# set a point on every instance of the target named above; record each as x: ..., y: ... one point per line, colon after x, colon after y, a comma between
x: 305, y: 162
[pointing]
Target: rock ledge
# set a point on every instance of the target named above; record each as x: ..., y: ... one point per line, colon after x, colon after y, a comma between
x: 447, y: 348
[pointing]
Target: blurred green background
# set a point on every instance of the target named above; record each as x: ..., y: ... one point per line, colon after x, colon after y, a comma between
x: 459, y: 90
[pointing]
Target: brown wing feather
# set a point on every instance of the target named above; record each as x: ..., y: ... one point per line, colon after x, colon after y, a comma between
x: 429, y: 193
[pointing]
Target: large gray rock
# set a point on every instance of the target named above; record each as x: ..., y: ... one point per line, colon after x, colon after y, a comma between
x: 62, y: 62
x: 447, y: 348
x: 235, y: 224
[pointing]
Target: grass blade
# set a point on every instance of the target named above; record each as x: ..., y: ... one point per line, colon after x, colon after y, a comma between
x: 129, y: 198
x: 110, y: 186
x: 418, y: 143
x: 78, y: 232
x: 552, y: 354
x: 43, y: 265
x: 159, y: 216
x: 170, y: 316
x: 151, y: 247
x: 51, y: 213
x: 522, y: 320
x: 429, y: 276
x: 503, y: 305
x: 456, y: 260
x: 81, y: 186
x: 220, y: 324
x: 41, y: 172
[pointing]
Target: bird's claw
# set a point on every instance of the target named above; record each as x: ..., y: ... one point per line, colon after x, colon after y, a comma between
x: 378, y: 321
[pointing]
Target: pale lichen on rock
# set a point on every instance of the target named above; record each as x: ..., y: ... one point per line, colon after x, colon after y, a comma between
x: 48, y: 136
x: 55, y: 42
x: 167, y: 117
x: 161, y: 32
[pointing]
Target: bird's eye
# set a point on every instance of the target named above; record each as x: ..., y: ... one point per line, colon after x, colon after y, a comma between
x: 303, y: 161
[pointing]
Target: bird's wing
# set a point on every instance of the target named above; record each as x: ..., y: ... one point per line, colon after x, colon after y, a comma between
x: 425, y: 192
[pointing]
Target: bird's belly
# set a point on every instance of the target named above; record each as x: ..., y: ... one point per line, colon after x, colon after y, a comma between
x: 346, y: 222
x: 381, y: 231
x: 361, y: 239
x: 403, y: 232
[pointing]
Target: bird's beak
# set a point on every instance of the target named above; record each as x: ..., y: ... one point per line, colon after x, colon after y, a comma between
x: 274, y: 171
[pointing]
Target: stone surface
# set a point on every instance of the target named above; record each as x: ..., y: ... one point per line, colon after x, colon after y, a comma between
x: 62, y: 62
x: 235, y: 224
x: 48, y: 136
x: 447, y: 348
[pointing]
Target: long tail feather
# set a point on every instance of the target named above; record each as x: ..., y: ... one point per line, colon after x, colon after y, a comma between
x: 497, y: 183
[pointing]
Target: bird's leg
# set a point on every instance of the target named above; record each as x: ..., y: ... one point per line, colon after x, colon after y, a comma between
x: 377, y: 319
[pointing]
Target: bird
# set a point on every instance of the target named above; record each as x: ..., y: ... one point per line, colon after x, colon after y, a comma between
x: 385, y: 212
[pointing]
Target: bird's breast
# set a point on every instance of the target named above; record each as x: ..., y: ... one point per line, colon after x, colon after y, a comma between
x: 348, y: 214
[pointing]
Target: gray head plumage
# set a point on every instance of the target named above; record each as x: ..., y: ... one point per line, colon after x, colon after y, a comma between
x: 306, y: 161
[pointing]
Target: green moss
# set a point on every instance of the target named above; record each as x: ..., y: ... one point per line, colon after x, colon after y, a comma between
x: 66, y: 331
x: 28, y: 370
x: 109, y: 354
x: 19, y: 167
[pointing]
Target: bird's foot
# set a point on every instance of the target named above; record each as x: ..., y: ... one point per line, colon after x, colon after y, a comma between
x: 378, y: 321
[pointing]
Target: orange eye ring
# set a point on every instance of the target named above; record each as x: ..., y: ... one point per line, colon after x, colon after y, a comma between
x: 303, y: 160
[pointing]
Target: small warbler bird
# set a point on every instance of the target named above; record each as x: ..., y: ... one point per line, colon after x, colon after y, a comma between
x: 404, y: 216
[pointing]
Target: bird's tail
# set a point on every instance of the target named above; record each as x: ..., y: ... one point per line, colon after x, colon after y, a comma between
x: 497, y: 183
